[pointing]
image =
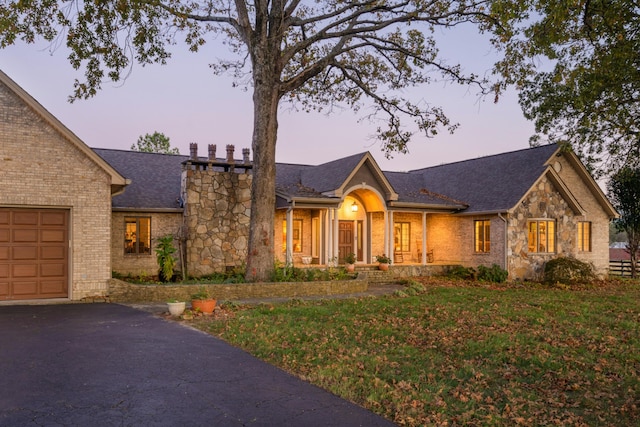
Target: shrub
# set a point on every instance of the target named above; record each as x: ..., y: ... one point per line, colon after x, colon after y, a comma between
x: 495, y: 274
x: 164, y: 256
x: 460, y: 272
x: 568, y: 270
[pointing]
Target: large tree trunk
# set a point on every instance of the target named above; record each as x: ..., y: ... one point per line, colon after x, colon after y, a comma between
x: 260, y: 257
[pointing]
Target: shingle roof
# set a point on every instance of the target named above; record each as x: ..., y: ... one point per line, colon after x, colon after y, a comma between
x: 411, y: 189
x: 331, y: 175
x: 492, y: 183
x: 289, y: 181
x: 155, y: 178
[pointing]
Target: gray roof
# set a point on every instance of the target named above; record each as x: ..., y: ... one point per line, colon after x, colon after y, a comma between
x: 155, y: 178
x: 492, y: 183
x: 411, y: 189
x: 331, y: 175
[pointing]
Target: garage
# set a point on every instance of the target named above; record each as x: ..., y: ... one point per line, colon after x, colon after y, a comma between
x: 34, y: 254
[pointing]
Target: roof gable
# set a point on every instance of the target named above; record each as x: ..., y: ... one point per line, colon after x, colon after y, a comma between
x: 333, y: 178
x: 118, y: 182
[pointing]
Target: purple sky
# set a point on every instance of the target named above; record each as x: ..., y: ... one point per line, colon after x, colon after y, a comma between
x: 186, y: 102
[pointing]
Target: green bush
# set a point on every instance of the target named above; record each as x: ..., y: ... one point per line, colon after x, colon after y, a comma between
x: 164, y: 256
x: 460, y: 272
x: 568, y: 270
x: 495, y: 274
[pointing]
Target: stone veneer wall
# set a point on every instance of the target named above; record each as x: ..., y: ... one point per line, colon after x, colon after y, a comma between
x: 217, y: 212
x: 40, y: 168
x: 543, y: 202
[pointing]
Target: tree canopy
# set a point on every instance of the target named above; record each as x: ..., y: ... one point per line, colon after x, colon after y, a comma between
x: 577, y: 66
x: 624, y: 192
x: 313, y: 54
x: 154, y: 143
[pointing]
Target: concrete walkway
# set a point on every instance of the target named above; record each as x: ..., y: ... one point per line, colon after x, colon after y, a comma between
x: 112, y: 365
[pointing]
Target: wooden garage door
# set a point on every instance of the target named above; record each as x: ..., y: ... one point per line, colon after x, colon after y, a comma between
x: 34, y: 260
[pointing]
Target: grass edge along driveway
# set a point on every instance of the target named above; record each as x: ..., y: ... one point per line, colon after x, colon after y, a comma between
x: 459, y: 353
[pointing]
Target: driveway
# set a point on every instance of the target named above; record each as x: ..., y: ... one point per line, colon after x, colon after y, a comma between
x: 112, y: 365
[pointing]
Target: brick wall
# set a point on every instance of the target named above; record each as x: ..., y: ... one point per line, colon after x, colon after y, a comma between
x: 40, y: 168
x: 594, y: 213
x: 162, y: 224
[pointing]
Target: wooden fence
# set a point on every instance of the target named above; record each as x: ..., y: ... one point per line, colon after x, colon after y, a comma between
x: 622, y: 268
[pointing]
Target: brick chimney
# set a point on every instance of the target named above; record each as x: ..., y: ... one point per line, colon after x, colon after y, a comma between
x: 212, y: 152
x: 245, y: 156
x: 193, y: 151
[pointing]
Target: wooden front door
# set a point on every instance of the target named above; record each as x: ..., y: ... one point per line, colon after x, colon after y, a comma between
x: 33, y: 253
x: 345, y: 239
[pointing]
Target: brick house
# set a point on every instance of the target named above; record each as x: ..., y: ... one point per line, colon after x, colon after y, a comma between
x: 55, y: 205
x: 516, y: 210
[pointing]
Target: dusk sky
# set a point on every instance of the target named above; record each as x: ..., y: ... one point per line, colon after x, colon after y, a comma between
x: 186, y: 102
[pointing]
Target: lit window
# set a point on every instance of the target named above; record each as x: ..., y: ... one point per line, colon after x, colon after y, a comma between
x: 297, y: 236
x: 584, y: 236
x: 402, y: 233
x: 483, y: 235
x: 542, y: 236
x: 137, y: 235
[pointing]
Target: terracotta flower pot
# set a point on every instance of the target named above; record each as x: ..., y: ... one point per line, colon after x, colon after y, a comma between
x: 205, y: 306
x: 351, y: 268
x: 383, y: 266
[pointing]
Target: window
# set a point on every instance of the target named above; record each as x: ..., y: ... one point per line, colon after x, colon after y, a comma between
x: 402, y: 231
x: 542, y: 236
x: 482, y: 235
x: 137, y: 235
x: 297, y: 235
x: 584, y: 236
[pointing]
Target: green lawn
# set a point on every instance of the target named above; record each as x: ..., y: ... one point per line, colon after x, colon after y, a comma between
x: 461, y: 354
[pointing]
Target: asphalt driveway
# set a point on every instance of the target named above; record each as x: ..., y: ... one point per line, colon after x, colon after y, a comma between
x: 112, y: 365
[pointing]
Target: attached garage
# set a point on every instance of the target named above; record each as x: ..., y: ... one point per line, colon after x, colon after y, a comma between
x: 34, y: 254
x: 55, y: 206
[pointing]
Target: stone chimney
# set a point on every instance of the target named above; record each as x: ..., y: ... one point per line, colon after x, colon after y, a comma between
x: 245, y: 156
x: 193, y: 151
x: 230, y: 150
x: 212, y: 152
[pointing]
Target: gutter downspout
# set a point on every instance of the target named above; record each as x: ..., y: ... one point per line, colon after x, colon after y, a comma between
x: 506, y: 242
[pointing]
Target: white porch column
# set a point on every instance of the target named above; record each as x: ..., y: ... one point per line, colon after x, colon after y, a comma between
x: 326, y: 237
x: 289, y: 222
x: 336, y: 227
x: 424, y: 239
x: 391, y: 248
x: 386, y: 232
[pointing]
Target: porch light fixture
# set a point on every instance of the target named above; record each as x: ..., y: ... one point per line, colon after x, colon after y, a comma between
x: 354, y: 207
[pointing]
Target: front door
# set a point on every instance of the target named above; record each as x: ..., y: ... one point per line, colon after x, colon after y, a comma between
x: 345, y: 239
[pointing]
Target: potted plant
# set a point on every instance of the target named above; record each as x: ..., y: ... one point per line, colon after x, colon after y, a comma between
x: 350, y: 260
x: 383, y: 262
x: 176, y: 308
x: 202, y: 301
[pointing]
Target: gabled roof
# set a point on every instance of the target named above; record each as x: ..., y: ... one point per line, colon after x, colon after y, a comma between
x: 485, y: 185
x: 332, y: 178
x: 118, y: 182
x: 155, y: 179
x: 489, y: 184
